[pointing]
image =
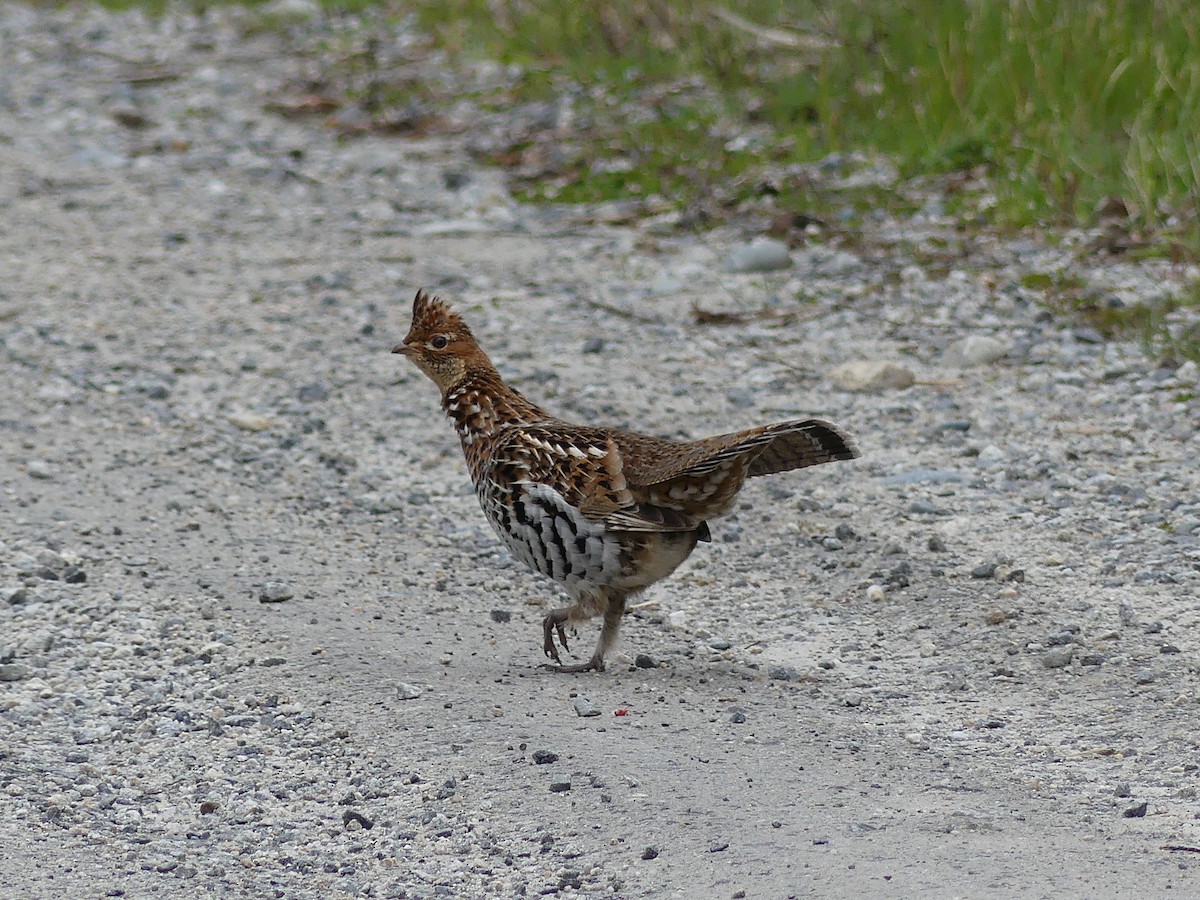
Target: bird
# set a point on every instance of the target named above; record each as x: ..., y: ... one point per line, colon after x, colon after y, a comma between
x: 603, y: 512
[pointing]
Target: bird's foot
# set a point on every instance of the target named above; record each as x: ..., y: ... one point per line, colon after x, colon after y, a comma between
x: 592, y: 665
x: 551, y: 625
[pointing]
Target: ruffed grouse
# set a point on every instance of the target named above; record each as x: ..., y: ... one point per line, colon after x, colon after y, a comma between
x: 603, y: 512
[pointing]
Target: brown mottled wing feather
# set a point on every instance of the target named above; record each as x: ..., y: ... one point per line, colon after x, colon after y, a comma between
x: 770, y: 449
x: 586, y: 466
x: 796, y: 445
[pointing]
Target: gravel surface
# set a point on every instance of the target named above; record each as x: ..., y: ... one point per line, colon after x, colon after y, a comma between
x: 257, y: 640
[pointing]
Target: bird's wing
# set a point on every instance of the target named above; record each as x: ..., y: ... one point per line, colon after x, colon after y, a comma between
x: 587, y: 468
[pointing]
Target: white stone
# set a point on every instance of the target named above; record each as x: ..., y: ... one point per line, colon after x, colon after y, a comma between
x: 974, y: 350
x: 872, y: 375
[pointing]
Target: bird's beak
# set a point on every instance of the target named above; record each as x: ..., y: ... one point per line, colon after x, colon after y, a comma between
x: 402, y: 348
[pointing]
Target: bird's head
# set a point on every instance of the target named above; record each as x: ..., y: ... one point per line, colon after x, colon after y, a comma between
x: 440, y: 343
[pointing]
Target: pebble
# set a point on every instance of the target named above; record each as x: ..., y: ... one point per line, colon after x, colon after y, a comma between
x: 584, y: 708
x: 39, y: 469
x: 872, y: 376
x: 645, y: 661
x: 876, y: 593
x: 737, y: 715
x: 500, y: 616
x: 974, y: 350
x: 544, y: 757
x: 248, y: 421
x: 559, y: 783
x: 650, y: 852
x: 593, y: 345
x: 313, y: 393
x: 275, y: 592
x: 406, y: 691
x: 760, y: 255
x: 1057, y: 657
x: 719, y: 644
x: 13, y: 672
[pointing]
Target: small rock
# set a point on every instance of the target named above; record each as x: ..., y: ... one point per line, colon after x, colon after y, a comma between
x: 354, y: 820
x: 13, y: 672
x: 995, y: 616
x: 544, y: 757
x: 275, y: 592
x: 928, y: 508
x: 1188, y: 373
x: 501, y: 616
x: 737, y: 715
x: 783, y: 673
x: 1057, y: 657
x: 990, y: 457
x: 593, y: 345
x: 39, y: 469
x: 1128, y: 614
x: 584, y: 708
x: 718, y: 846
x: 406, y: 691
x: 872, y: 375
x: 645, y: 661
x: 1122, y: 789
x: 984, y: 570
x: 832, y: 543
x: 312, y: 393
x: 560, y: 783
x: 677, y: 619
x: 974, y: 350
x: 129, y: 116
x: 14, y: 596
x: 1136, y: 812
x: 760, y: 255
x: 650, y: 852
x: 74, y: 575
x: 876, y: 593
x: 936, y: 544
x: 248, y: 421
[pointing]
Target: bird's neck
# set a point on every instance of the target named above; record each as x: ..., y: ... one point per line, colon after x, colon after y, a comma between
x: 482, y: 404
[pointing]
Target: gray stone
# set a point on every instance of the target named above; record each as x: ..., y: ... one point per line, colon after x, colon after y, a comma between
x: 872, y: 375
x: 406, y: 691
x: 13, y: 672
x: 559, y: 783
x: 275, y: 592
x: 974, y: 350
x: 1057, y: 657
x: 760, y: 255
x: 584, y: 708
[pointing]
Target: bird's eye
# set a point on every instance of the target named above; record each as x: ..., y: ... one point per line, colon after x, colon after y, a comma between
x: 439, y: 342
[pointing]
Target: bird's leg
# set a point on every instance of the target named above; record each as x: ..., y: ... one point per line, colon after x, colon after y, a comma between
x: 552, y: 623
x: 613, y: 611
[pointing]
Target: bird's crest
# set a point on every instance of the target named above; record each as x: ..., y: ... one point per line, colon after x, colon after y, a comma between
x: 431, y: 315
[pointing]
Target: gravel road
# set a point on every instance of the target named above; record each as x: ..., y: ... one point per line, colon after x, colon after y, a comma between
x: 257, y: 640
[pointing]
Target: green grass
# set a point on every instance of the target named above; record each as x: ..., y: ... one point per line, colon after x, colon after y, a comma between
x: 1062, y: 105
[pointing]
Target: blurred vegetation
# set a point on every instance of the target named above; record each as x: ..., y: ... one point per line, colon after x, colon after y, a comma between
x: 1071, y: 108
x: 1008, y: 113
